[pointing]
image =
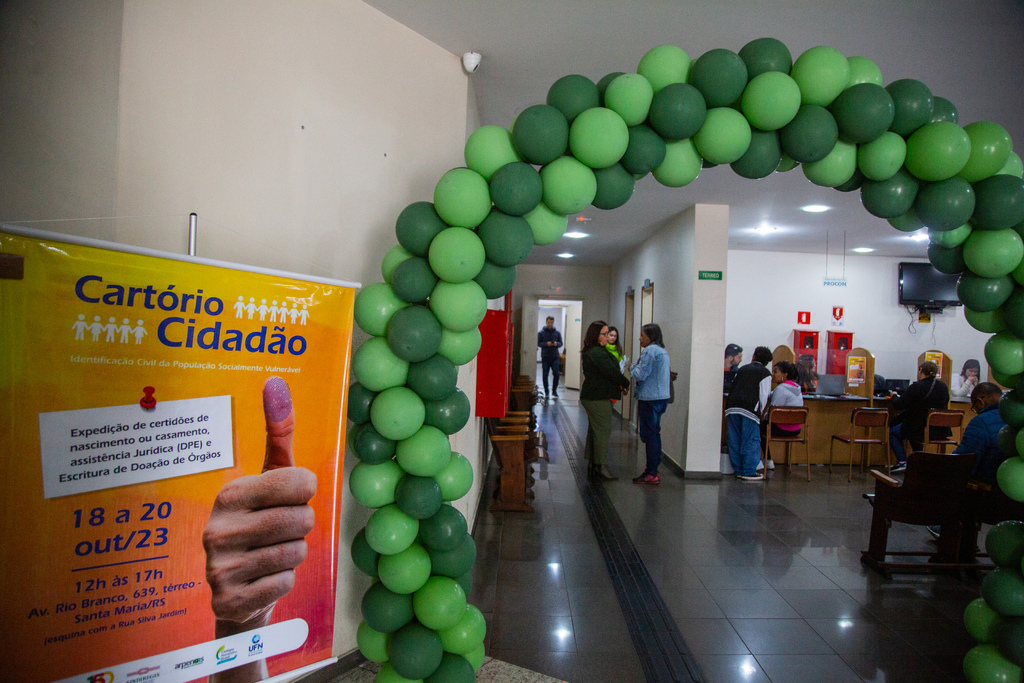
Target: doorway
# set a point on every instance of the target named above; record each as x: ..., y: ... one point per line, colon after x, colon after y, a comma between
x: 626, y: 407
x: 646, y: 317
x: 568, y: 315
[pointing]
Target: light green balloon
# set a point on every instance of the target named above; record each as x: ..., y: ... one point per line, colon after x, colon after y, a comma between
x: 724, y: 137
x: 1005, y: 353
x: 863, y: 70
x: 440, y: 603
x: 405, y: 572
x: 456, y: 255
x: 787, y: 164
x: 425, y: 453
x: 950, y: 238
x: 488, y: 149
x: 462, y: 198
x: 374, y: 485
x: 882, y: 157
x: 392, y: 260
x: 664, y: 65
x: 822, y: 73
x: 397, y: 413
x: 390, y: 531
x: 1010, y: 477
x: 1013, y: 166
x: 476, y: 657
x: 373, y: 644
x: 547, y: 226
x: 982, y: 621
x: 375, y: 305
x: 598, y: 137
x: 990, y: 150
x: 985, y: 321
x: 681, y: 166
x: 569, y: 185
x: 459, y: 306
x: 836, y: 168
x: 771, y: 100
x: 908, y: 222
x: 377, y: 367
x: 387, y: 674
x: 460, y: 347
x: 456, y: 479
x: 937, y: 151
x: 629, y: 96
x: 467, y: 634
x: 993, y: 253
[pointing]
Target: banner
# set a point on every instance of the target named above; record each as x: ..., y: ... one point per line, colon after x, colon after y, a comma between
x: 172, y: 448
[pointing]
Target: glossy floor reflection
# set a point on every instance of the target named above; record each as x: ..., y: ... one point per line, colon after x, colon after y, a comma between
x: 764, y: 582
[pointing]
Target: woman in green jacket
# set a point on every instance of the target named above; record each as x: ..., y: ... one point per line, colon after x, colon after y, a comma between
x: 602, y: 382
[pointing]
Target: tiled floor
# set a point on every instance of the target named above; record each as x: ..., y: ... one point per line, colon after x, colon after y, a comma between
x: 763, y: 581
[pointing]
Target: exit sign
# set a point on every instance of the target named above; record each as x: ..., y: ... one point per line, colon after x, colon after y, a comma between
x: 709, y: 275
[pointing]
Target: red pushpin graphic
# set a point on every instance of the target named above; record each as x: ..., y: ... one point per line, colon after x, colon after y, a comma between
x: 147, y: 401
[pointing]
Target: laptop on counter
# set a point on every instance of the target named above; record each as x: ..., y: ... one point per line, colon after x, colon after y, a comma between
x: 831, y: 385
x: 897, y: 385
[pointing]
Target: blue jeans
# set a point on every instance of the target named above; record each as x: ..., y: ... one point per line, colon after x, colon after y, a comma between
x: 549, y: 364
x: 744, y: 444
x: 896, y: 443
x: 648, y: 420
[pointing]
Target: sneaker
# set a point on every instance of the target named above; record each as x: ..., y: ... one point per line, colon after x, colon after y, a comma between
x: 771, y: 464
x: 898, y: 467
x: 760, y: 466
x: 751, y: 477
x: 646, y: 478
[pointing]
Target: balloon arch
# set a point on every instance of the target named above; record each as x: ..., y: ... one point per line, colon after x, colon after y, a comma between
x: 762, y: 113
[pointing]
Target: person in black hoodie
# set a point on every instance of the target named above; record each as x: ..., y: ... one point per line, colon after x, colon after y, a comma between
x: 926, y: 393
x: 747, y: 400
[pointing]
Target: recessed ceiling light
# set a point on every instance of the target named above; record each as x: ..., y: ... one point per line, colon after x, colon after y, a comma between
x: 815, y: 208
x: 919, y: 236
x: 765, y: 229
x: 565, y: 255
x: 575, y: 234
x: 863, y: 250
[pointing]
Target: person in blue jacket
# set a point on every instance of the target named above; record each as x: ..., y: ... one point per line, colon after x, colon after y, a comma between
x: 653, y: 378
x: 549, y: 340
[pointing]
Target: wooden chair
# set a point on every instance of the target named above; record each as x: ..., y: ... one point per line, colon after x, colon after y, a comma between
x: 953, y: 419
x: 788, y: 416
x: 864, y: 419
x: 934, y: 492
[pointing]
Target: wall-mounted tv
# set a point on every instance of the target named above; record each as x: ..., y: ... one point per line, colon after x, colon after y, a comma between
x: 923, y: 286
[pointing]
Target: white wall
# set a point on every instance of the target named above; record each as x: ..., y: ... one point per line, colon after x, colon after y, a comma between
x: 766, y: 289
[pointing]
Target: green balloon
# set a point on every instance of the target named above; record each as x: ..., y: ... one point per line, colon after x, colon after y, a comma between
x: 863, y: 112
x: 572, y: 95
x: 495, y: 280
x: 1010, y: 638
x: 459, y: 307
x: 414, y: 334
x: 546, y: 225
x: 372, y: 644
x: 645, y: 151
x: 863, y: 70
x: 1005, y: 545
x: 1011, y: 408
x: 720, y: 76
x: 1013, y: 166
x: 822, y: 73
x: 811, y: 135
x: 890, y: 198
x: 569, y: 185
x: 424, y: 453
x: 906, y: 222
x: 364, y: 557
x: 678, y: 111
x: 983, y: 294
x: 387, y: 674
x: 681, y: 166
x: 454, y: 563
x: 466, y: 581
x: 456, y: 255
x: 392, y: 259
x: 614, y: 187
x: 787, y: 163
x: 836, y: 168
x: 771, y: 100
x: 506, y: 240
x: 439, y: 603
x: 945, y: 205
x: 1003, y: 588
x: 882, y: 157
x: 950, y: 238
x: 456, y: 479
x: 370, y: 447
x: 516, y: 188
x: 629, y: 96
x: 990, y: 148
x: 374, y: 485
x: 944, y: 110
x: 460, y: 347
x: 993, y: 253
x: 476, y: 657
x: 855, y: 182
x: 462, y: 198
x: 1000, y: 202
x: 376, y: 367
x: 407, y: 571
x: 415, y: 651
x: 375, y: 305
x: 416, y: 227
x: 541, y: 134
x: 949, y: 261
x: 1006, y: 440
x: 1018, y: 274
x: 762, y: 157
x: 414, y: 279
x: 434, y: 378
x: 663, y: 66
x: 359, y: 400
x: 390, y: 531
x: 766, y: 54
x: 598, y: 137
x: 1005, y: 380
x: 982, y: 621
x: 914, y: 105
x: 1004, y: 352
x: 984, y: 664
x: 937, y: 151
x: 724, y: 137
x: 488, y: 149
x: 985, y: 321
x: 386, y: 611
x: 450, y: 414
x: 397, y: 413
x: 453, y: 669
x: 602, y: 85
x: 444, y: 531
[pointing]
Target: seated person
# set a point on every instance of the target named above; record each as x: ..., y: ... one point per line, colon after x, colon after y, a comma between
x: 733, y: 358
x: 787, y: 393
x: 926, y: 393
x: 970, y: 375
x: 807, y: 374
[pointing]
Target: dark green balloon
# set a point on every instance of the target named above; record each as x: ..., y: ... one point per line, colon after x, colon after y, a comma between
x: 1010, y: 639
x: 434, y: 378
x: 602, y: 84
x: 384, y: 610
x: 516, y: 188
x: 863, y: 112
x: 418, y: 497
x: 1005, y: 380
x: 1000, y: 202
x: 914, y: 105
x: 572, y: 95
x: 614, y: 187
x: 890, y: 198
x: 811, y: 135
x: 450, y: 414
x: 416, y: 227
x: 507, y: 239
x: 540, y: 134
x: 1005, y: 543
x: 414, y: 334
x: 984, y: 293
x: 359, y: 400
x: 495, y: 280
x: 762, y: 156
x: 1003, y: 590
x: 370, y: 446
x: 413, y: 280
x: 720, y: 75
x: 455, y: 562
x: 415, y: 651
x: 1013, y: 312
x: 453, y: 669
x: 466, y: 581
x: 766, y: 54
x: 1006, y: 440
x: 943, y: 110
x: 645, y: 152
x: 444, y: 530
x: 677, y: 111
x: 855, y: 182
x: 1011, y: 409
x: 363, y: 556
x: 907, y: 222
x: 948, y: 261
x: 945, y: 205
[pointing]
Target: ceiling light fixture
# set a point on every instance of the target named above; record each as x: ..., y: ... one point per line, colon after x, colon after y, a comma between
x: 575, y: 234
x: 565, y: 255
x: 765, y: 229
x: 815, y: 208
x: 919, y: 236
x: 862, y: 250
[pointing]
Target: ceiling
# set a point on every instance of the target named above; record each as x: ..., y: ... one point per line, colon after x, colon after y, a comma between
x: 971, y: 53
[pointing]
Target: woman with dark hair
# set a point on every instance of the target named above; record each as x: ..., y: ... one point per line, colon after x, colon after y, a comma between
x: 653, y: 377
x: 926, y: 393
x: 807, y: 374
x: 614, y: 346
x: 602, y: 382
x: 970, y: 375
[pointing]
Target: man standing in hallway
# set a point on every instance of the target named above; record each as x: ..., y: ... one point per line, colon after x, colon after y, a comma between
x: 743, y: 408
x: 550, y: 341
x: 733, y: 358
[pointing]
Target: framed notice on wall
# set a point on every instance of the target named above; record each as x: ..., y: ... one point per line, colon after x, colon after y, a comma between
x: 935, y: 357
x: 171, y: 439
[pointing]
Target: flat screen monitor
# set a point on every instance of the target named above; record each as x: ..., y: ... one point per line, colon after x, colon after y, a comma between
x: 922, y: 285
